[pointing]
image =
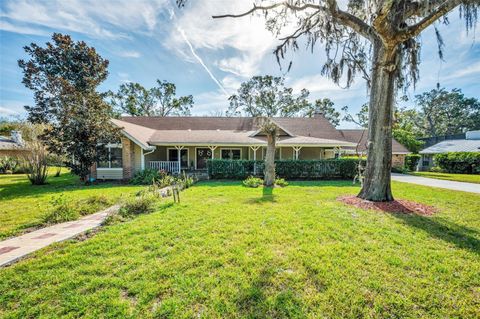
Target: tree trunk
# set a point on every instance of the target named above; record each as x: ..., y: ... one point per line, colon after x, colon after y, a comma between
x: 376, y: 186
x: 269, y: 171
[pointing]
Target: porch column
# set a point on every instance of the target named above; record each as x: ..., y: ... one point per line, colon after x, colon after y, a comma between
x: 296, y: 149
x: 179, y: 149
x: 212, y: 148
x: 336, y: 150
x: 127, y: 158
x: 142, y: 159
x: 254, y: 149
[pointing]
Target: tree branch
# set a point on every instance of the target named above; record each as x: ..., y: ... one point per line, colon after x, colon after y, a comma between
x: 343, y: 17
x: 349, y: 20
x: 272, y: 6
x: 417, y: 28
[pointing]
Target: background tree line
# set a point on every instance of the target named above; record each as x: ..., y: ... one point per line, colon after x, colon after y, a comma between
x: 435, y: 113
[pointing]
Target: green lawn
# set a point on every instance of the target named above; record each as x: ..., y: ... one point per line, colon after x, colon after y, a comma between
x: 469, y: 178
x: 233, y: 252
x: 22, y: 205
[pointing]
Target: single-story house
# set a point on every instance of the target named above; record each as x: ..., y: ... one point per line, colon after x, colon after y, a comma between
x: 186, y: 143
x: 360, y: 136
x: 471, y: 143
x: 12, y: 146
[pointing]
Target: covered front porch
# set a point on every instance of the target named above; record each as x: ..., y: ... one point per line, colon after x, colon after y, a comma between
x: 175, y: 158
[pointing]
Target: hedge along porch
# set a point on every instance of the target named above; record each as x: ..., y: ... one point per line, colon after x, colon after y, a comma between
x: 344, y: 168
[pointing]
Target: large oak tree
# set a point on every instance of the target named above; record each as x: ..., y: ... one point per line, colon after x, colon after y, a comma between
x: 378, y: 39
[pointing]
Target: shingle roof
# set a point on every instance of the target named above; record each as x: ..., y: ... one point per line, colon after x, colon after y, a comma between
x: 234, y: 137
x: 299, y: 126
x: 355, y: 135
x: 139, y: 134
x: 9, y: 144
x: 453, y: 146
x: 227, y: 130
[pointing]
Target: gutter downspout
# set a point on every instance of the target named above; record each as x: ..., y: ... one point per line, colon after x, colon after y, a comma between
x: 153, y: 148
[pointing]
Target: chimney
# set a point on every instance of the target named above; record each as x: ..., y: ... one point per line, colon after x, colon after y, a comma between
x: 17, y: 137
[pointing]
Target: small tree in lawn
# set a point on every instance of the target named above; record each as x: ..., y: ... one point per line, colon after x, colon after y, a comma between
x: 265, y: 97
x: 64, y: 76
x: 378, y: 39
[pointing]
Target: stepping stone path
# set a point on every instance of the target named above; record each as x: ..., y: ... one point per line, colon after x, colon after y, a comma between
x: 15, y: 248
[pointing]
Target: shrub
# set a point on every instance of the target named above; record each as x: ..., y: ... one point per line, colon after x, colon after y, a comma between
x: 37, y: 157
x: 401, y: 170
x: 436, y: 169
x: 411, y: 161
x: 459, y: 162
x: 93, y: 204
x: 281, y: 182
x: 139, y: 205
x: 8, y: 165
x: 234, y: 169
x: 145, y: 177
x: 252, y: 181
x: 289, y: 169
x: 63, y: 211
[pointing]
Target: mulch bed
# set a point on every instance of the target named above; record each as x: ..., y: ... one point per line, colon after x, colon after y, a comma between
x: 397, y: 206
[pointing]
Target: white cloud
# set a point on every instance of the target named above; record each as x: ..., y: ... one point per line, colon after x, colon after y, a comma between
x: 246, y: 37
x: 129, y: 54
x: 12, y: 108
x: 210, y: 102
x: 469, y: 70
x: 95, y: 18
x: 6, y: 26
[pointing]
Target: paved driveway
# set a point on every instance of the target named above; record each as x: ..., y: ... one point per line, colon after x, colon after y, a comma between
x: 457, y: 186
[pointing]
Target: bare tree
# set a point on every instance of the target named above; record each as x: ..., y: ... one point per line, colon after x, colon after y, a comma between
x: 36, y: 159
x: 375, y: 38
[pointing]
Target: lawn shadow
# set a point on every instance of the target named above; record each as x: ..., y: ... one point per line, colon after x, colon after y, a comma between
x: 254, y: 302
x: 21, y: 186
x: 461, y: 236
x: 323, y: 183
x: 267, y: 196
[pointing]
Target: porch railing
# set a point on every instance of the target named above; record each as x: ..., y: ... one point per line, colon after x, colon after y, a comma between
x: 169, y: 166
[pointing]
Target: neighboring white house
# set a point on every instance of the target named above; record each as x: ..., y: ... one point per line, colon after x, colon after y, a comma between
x: 471, y: 143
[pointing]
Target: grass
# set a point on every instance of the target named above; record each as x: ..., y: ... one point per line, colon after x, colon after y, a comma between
x: 228, y: 251
x: 469, y: 178
x: 24, y: 206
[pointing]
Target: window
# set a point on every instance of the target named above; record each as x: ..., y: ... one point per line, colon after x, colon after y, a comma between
x: 113, y: 159
x: 232, y: 154
x: 173, y: 156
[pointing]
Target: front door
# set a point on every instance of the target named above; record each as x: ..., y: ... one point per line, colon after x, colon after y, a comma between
x: 203, y: 154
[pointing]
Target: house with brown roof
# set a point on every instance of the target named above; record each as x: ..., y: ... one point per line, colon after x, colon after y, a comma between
x: 186, y: 143
x: 12, y: 146
x: 359, y: 136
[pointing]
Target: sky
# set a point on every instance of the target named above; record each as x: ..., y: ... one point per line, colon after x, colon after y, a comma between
x: 145, y: 40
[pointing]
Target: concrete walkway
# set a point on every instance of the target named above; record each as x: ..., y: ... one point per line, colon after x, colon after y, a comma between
x: 456, y: 186
x: 18, y: 247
